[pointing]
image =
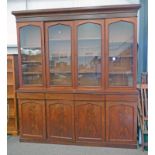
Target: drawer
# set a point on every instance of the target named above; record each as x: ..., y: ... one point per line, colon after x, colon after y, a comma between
x: 60, y: 96
x: 90, y: 97
x: 31, y: 96
x: 129, y: 98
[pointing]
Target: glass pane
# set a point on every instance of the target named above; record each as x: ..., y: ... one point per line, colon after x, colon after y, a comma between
x: 30, y: 43
x: 89, y: 55
x: 60, y: 54
x: 121, y: 54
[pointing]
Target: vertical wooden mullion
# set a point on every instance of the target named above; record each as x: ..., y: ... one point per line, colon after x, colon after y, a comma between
x: 72, y: 54
x: 43, y: 53
x: 135, y: 53
x: 76, y: 54
x: 47, y: 55
x: 106, y: 53
x: 103, y: 55
x: 19, y: 57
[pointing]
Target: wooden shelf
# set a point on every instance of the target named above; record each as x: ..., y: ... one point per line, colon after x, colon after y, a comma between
x: 89, y: 72
x: 59, y: 40
x: 10, y: 71
x: 10, y: 96
x: 31, y: 73
x: 113, y: 73
x: 12, y: 115
x: 31, y: 62
x: 88, y: 39
x: 10, y: 84
x: 30, y: 48
x: 130, y: 56
x: 56, y: 72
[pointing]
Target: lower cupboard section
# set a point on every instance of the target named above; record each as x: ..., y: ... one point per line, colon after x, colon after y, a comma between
x: 96, y: 123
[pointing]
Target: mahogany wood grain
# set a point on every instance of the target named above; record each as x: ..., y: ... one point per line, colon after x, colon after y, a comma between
x: 89, y: 97
x: 35, y: 96
x: 57, y: 96
x: 128, y: 98
x: 32, y: 119
x: 60, y: 120
x: 121, y: 122
x: 63, y: 14
x: 89, y: 120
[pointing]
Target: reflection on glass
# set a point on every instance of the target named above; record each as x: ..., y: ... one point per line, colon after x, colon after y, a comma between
x: 30, y: 43
x: 60, y: 54
x: 121, y: 54
x: 89, y: 54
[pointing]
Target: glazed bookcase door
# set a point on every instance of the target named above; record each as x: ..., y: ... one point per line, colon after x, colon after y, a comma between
x: 59, y: 47
x: 121, y: 52
x: 89, y: 56
x: 31, y: 54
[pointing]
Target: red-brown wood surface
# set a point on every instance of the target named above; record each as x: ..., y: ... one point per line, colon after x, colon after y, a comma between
x: 94, y: 12
x: 12, y: 85
x: 32, y: 119
x: 121, y: 122
x: 60, y: 120
x: 89, y: 121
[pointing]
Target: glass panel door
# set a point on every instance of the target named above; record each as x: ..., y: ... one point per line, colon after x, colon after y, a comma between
x: 60, y: 55
x: 31, y: 57
x: 89, y: 54
x: 121, y: 54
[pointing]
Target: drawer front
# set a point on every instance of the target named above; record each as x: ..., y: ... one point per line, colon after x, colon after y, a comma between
x: 89, y: 97
x: 128, y: 98
x: 36, y: 96
x: 60, y: 96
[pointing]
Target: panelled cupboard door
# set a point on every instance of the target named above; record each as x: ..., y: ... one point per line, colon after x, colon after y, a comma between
x: 60, y: 120
x: 121, y: 49
x: 89, y: 39
x: 121, y: 122
x: 60, y: 60
x: 31, y: 54
x: 32, y: 119
x: 89, y: 121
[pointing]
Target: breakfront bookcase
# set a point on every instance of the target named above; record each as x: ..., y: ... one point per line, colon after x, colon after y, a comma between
x: 77, y: 72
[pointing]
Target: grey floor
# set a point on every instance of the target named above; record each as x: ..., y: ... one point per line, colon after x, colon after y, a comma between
x: 19, y: 148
